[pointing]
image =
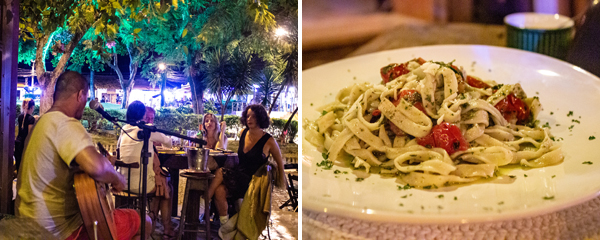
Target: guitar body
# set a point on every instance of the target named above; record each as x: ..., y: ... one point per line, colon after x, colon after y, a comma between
x: 96, y: 205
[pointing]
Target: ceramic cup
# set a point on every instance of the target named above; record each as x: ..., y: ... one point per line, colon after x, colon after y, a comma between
x: 548, y: 34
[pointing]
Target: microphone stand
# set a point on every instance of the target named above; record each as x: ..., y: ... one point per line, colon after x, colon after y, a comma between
x: 145, y: 134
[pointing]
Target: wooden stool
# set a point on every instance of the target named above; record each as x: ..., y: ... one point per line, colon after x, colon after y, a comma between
x: 197, y: 185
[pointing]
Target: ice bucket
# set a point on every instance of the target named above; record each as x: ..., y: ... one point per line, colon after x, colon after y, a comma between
x: 198, y: 159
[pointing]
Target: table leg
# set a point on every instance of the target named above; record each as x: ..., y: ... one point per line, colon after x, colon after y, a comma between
x: 207, y: 210
x: 175, y: 181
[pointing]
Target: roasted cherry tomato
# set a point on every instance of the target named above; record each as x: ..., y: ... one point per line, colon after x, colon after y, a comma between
x: 474, y: 82
x: 512, y: 108
x: 446, y: 136
x: 392, y: 71
x: 413, y: 97
x: 376, y: 113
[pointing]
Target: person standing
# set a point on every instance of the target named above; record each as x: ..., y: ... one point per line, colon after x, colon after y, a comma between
x: 25, y: 121
x: 55, y: 149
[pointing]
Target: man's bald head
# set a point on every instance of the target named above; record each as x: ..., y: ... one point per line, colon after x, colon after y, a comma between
x: 69, y: 83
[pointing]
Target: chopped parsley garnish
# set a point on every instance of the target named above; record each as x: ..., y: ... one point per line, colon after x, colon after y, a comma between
x: 405, y: 187
x: 525, y: 175
x: 345, y: 172
x: 553, y: 176
x: 401, y: 205
x: 497, y: 86
x: 427, y: 187
x: 592, y: 138
x: 441, y: 196
x: 571, y: 127
x: 570, y: 114
x: 501, y: 203
x: 455, y: 198
x: 325, y: 155
x: 546, y: 125
x: 548, y: 198
x: 325, y: 164
x: 512, y: 176
x: 323, y: 113
x: 552, y: 138
x: 575, y: 120
x: 360, y: 179
x: 404, y: 196
x: 311, y: 104
x: 551, y: 113
x: 336, y: 171
x: 588, y: 163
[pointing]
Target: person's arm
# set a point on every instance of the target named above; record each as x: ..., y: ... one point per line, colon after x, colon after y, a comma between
x: 99, y: 168
x: 161, y: 138
x: 276, y: 153
x: 222, y: 143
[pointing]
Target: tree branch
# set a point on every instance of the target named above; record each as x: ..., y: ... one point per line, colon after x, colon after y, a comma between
x: 39, y: 55
x: 62, y: 63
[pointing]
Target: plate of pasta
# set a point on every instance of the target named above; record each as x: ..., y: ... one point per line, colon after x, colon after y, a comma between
x: 449, y: 134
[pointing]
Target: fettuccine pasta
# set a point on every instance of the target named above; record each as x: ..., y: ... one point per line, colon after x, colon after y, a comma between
x: 430, y: 124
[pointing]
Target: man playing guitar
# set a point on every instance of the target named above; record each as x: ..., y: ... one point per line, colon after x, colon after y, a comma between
x: 57, y: 145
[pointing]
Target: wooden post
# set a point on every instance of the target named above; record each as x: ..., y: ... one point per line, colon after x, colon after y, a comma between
x: 9, y: 15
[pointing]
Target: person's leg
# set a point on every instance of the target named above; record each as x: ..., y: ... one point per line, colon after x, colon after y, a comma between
x: 216, y: 182
x: 165, y: 213
x: 221, y: 200
x: 154, y: 207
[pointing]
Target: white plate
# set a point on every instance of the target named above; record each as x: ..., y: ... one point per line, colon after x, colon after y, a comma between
x: 562, y: 87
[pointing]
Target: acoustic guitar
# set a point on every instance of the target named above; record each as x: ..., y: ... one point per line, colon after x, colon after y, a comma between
x: 96, y: 205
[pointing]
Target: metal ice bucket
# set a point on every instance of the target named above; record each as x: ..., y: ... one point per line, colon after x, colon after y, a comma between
x: 198, y: 159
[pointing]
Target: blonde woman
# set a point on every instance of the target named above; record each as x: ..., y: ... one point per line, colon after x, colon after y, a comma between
x: 25, y: 121
x: 212, y: 132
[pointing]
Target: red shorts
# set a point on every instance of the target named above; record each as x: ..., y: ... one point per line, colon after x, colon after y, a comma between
x: 127, y: 222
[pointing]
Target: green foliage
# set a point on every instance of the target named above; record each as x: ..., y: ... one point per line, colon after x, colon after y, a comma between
x: 268, y: 83
x: 209, y: 107
x: 26, y: 51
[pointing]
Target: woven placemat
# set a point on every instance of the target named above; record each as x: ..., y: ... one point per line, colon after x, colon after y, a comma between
x: 577, y: 222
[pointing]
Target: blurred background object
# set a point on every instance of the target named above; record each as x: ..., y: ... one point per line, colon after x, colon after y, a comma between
x: 336, y: 29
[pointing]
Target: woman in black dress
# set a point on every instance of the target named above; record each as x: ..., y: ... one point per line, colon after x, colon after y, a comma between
x: 26, y: 121
x: 255, y: 147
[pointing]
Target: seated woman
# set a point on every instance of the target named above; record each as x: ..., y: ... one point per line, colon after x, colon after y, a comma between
x: 212, y: 133
x: 255, y: 148
x: 130, y: 152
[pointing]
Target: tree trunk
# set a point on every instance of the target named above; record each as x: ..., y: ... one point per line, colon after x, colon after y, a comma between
x: 197, y: 98
x: 92, y: 88
x: 275, y: 99
x: 287, y: 124
x: 47, y: 83
x: 47, y: 80
x: 163, y: 85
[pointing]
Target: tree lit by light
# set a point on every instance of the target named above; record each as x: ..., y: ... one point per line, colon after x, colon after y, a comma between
x: 281, y: 32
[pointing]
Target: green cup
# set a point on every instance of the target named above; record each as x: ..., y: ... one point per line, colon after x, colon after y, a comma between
x: 548, y: 34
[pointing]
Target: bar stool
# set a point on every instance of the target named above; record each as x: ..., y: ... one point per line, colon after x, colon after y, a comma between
x: 197, y: 184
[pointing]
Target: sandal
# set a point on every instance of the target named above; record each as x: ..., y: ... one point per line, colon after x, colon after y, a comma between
x: 167, y: 235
